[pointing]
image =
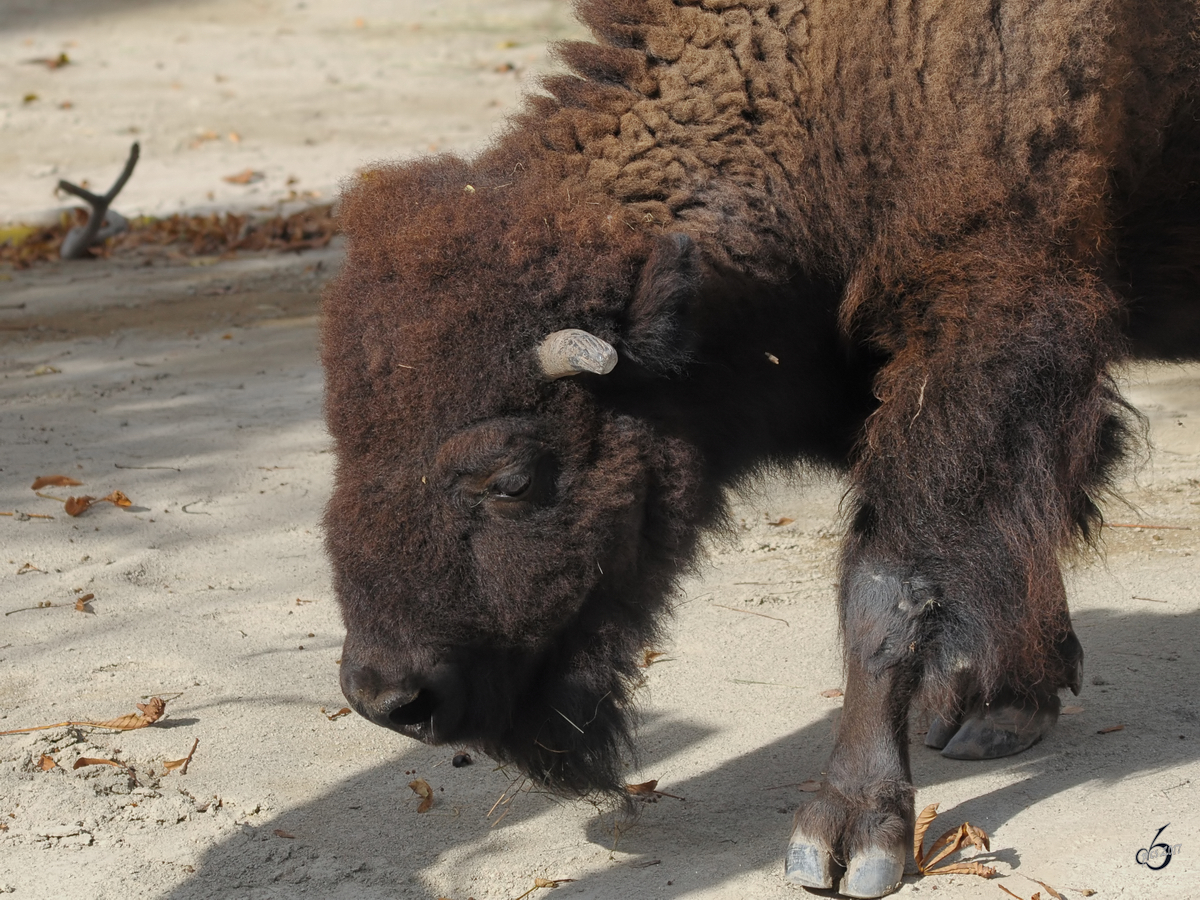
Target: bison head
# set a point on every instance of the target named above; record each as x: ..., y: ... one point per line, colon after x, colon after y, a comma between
x: 508, y: 519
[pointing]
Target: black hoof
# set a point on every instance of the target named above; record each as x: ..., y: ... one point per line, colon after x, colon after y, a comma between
x: 940, y: 731
x: 989, y: 732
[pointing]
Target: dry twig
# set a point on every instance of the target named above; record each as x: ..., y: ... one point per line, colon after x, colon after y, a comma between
x: 182, y: 764
x: 103, y: 222
x: 751, y: 612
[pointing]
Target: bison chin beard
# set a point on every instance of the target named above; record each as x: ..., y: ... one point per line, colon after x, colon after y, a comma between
x: 572, y: 730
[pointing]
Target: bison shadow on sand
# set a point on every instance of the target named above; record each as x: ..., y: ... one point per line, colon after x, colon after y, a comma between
x: 906, y: 241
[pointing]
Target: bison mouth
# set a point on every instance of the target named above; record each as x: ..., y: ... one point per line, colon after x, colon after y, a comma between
x: 563, y: 724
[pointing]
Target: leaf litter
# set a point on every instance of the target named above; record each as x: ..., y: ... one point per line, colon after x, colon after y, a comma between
x: 178, y: 236
x: 1037, y: 895
x: 54, y: 481
x: 946, y: 844
x: 94, y: 761
x: 648, y: 790
x: 182, y: 764
x: 148, y: 713
x: 246, y: 176
x: 75, y: 506
x: 422, y: 789
x: 650, y: 657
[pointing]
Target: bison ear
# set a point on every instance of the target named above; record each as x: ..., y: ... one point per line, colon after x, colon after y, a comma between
x: 656, y: 334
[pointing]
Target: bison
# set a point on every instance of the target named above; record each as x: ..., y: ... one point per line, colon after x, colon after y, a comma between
x: 909, y: 240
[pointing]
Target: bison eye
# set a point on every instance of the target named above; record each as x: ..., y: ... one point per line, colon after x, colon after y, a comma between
x: 511, y: 486
x: 520, y: 487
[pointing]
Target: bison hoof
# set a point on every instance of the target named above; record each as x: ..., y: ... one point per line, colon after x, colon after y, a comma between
x: 873, y: 872
x: 940, y: 732
x: 807, y: 863
x: 1001, y: 729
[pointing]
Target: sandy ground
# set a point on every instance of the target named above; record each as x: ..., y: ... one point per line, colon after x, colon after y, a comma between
x: 301, y: 91
x: 195, y: 390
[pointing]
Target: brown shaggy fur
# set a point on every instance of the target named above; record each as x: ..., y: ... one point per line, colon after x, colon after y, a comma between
x: 941, y: 215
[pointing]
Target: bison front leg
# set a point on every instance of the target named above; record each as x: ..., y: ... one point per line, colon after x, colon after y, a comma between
x: 997, y: 425
x: 862, y: 819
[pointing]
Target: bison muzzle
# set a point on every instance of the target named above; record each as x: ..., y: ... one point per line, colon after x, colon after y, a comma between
x: 908, y: 240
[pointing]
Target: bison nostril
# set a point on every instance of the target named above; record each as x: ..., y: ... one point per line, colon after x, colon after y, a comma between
x: 360, y: 682
x: 417, y: 711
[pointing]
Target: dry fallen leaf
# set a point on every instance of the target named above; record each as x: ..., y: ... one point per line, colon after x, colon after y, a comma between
x: 91, y: 761
x: 963, y: 868
x: 924, y: 820
x: 75, y: 506
x: 51, y: 62
x: 47, y: 763
x: 246, y: 176
x: 149, y: 713
x: 279, y: 832
x: 55, y: 481
x: 648, y: 789
x: 1110, y: 729
x: 181, y: 764
x: 344, y: 711
x: 1037, y: 895
x: 1049, y: 890
x: 81, y: 603
x: 949, y: 842
x: 832, y: 692
x: 781, y: 521
x: 1072, y: 710
x: 650, y: 657
x: 425, y: 792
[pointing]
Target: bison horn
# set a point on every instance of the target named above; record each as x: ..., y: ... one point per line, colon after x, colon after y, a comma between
x: 572, y: 351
